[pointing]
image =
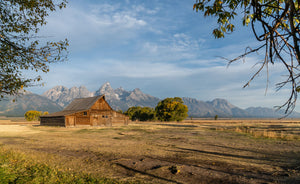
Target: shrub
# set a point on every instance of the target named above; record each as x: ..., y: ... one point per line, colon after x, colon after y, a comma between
x: 45, y: 113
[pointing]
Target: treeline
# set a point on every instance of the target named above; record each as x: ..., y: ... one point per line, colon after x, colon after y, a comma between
x: 169, y: 109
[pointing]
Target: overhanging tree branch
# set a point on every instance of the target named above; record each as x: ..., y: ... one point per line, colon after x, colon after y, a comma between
x: 20, y: 49
x: 278, y: 21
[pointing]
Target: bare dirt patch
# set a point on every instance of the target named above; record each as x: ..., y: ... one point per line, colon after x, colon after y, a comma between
x: 187, y: 152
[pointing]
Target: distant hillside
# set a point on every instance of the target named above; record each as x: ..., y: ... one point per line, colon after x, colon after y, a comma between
x: 219, y: 107
x: 26, y: 102
x: 223, y: 108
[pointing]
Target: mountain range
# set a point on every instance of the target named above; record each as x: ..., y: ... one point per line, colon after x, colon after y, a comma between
x: 59, y: 97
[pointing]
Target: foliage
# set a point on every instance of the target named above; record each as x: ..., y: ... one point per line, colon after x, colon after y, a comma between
x: 34, y: 115
x: 14, y: 168
x: 171, y: 109
x: 275, y: 25
x: 20, y: 46
x: 141, y: 113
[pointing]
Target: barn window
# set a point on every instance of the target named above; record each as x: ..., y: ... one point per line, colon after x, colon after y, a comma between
x: 84, y: 113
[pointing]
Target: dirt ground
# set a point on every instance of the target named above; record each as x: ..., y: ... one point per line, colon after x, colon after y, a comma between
x: 199, y: 151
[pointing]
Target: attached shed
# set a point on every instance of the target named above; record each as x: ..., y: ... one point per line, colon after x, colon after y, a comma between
x: 92, y: 111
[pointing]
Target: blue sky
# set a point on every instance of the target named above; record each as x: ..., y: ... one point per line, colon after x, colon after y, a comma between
x: 162, y: 47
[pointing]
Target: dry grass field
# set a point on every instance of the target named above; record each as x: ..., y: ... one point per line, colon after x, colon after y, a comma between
x: 197, y: 151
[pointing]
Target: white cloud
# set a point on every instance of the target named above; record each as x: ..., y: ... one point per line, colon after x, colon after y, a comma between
x: 127, y: 69
x: 113, y: 17
x: 172, y: 49
x: 96, y: 25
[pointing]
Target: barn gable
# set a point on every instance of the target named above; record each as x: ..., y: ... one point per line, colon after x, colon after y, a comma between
x: 93, y: 111
x: 80, y: 104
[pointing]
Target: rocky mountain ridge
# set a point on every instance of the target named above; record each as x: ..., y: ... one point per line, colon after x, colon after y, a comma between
x: 59, y: 97
x: 119, y: 99
x: 63, y: 96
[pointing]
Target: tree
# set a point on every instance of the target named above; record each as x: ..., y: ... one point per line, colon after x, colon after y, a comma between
x: 141, y: 113
x: 275, y: 24
x: 20, y: 46
x: 147, y: 114
x: 132, y: 113
x: 171, y: 109
x: 216, y: 117
x: 32, y: 115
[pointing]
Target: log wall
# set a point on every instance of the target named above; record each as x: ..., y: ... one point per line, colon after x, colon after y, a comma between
x: 53, y: 121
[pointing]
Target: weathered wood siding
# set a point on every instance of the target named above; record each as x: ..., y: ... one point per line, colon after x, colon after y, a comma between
x: 120, y: 118
x: 53, y: 121
x: 82, y: 118
x: 101, y: 117
x: 107, y: 118
x: 101, y: 104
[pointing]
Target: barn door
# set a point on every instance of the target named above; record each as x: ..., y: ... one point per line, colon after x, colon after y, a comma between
x: 95, y: 120
x: 104, y: 120
x: 71, y: 121
x: 108, y: 121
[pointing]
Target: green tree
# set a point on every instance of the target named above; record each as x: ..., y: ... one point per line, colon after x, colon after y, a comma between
x: 141, y: 113
x: 20, y: 46
x: 216, y: 117
x: 132, y: 113
x: 147, y: 114
x: 171, y: 109
x: 275, y: 24
x: 33, y: 115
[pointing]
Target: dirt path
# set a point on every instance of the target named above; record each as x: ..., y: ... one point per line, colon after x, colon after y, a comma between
x: 161, y: 153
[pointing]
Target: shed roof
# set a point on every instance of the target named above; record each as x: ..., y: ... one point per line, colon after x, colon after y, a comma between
x: 60, y: 113
x: 77, y: 105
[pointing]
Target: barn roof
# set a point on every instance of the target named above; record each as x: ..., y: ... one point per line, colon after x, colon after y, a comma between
x: 77, y: 105
x: 80, y: 104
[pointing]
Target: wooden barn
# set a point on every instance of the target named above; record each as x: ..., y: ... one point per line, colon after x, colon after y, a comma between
x: 92, y: 111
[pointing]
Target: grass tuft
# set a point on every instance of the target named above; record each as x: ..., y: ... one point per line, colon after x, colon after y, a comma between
x: 15, y: 168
